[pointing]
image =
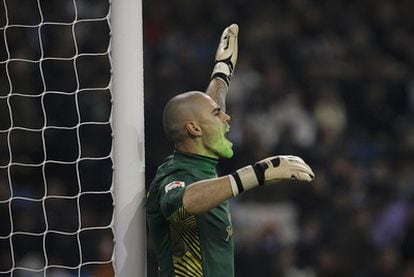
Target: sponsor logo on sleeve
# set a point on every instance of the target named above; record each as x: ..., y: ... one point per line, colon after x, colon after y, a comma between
x: 173, y: 185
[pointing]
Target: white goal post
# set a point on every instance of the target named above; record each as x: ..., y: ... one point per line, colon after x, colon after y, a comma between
x: 128, y: 144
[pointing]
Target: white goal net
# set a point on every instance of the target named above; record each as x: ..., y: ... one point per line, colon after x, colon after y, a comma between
x: 56, y: 200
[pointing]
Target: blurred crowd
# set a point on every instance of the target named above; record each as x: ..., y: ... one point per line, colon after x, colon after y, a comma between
x: 330, y: 81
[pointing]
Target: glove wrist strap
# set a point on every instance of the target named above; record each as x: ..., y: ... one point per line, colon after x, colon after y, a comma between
x: 235, y: 184
x: 245, y: 179
x: 259, y: 169
x: 223, y: 71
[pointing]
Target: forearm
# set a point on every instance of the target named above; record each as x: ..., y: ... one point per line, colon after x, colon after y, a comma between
x: 225, y: 63
x: 204, y: 195
x: 217, y: 90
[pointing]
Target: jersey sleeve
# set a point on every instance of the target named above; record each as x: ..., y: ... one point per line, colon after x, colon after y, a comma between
x: 171, y: 198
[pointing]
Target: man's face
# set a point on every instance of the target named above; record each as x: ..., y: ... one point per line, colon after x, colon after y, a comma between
x: 214, y: 125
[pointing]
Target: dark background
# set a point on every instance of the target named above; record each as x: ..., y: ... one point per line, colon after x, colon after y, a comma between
x: 330, y: 81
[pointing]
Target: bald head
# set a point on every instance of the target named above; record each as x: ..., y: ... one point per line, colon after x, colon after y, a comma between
x: 180, y: 110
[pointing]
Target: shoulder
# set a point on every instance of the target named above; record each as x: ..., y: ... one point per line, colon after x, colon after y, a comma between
x: 169, y: 180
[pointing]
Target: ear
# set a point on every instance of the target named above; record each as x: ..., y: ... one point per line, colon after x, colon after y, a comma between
x: 193, y: 129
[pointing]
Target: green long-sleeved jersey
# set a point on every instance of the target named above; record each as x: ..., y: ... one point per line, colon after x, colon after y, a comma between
x: 188, y: 245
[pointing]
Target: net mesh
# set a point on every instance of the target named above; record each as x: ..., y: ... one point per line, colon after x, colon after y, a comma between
x: 56, y: 201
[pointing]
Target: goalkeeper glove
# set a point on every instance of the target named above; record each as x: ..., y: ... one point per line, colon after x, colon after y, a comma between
x: 226, y: 55
x: 270, y: 170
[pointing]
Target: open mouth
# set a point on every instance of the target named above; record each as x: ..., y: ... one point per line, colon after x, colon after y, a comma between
x: 226, y: 133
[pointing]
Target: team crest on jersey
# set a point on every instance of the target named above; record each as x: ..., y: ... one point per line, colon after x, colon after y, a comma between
x: 173, y: 185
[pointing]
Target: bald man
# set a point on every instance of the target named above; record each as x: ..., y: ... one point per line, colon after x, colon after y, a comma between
x: 187, y: 208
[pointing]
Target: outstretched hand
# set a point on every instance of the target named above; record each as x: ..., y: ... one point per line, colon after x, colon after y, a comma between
x: 283, y: 168
x: 270, y: 170
x: 226, y: 54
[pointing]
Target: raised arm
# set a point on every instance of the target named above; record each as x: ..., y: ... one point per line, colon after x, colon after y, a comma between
x: 225, y: 62
x: 204, y: 195
x: 207, y: 194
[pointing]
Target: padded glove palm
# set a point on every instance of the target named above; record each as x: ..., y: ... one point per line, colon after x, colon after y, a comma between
x: 271, y: 170
x: 226, y: 54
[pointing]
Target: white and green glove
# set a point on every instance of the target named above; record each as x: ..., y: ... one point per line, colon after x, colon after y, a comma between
x: 226, y: 55
x: 270, y: 170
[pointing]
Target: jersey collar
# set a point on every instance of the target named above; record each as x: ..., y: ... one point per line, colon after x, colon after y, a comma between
x: 207, y: 163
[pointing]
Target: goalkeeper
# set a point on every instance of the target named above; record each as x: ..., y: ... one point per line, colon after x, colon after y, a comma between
x: 187, y: 208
